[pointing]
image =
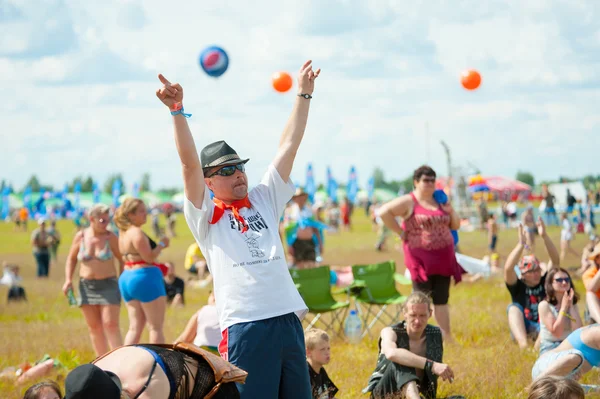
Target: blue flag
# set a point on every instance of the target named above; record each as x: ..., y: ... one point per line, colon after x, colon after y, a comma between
x: 331, y: 185
x: 5, y: 203
x: 95, y: 193
x: 352, y: 188
x: 39, y: 204
x: 77, y: 194
x: 136, y: 190
x: 116, y: 191
x: 371, y: 188
x: 310, y: 189
x: 27, y: 200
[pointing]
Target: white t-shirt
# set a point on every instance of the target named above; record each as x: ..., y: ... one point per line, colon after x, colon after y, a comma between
x: 250, y: 275
x: 208, y: 332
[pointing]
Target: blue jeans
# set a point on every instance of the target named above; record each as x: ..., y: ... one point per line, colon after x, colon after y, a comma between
x: 551, y: 218
x: 43, y: 263
x: 272, y: 351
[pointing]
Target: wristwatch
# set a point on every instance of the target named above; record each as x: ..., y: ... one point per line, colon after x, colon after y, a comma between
x: 307, y: 96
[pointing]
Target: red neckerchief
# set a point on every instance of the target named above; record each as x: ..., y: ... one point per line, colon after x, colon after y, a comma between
x: 235, y: 206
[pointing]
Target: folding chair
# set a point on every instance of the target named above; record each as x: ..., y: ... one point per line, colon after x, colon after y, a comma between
x: 375, y: 286
x: 314, y: 287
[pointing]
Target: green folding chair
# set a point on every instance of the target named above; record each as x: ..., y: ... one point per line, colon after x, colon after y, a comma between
x: 314, y: 287
x: 375, y: 287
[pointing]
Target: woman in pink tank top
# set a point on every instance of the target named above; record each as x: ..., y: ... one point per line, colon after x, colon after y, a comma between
x: 427, y: 241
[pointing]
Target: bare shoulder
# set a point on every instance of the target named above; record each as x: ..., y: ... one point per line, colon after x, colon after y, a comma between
x: 388, y: 334
x: 78, y: 237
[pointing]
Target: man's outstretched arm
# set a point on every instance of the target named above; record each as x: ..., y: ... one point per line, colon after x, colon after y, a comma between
x: 296, y: 124
x: 193, y: 177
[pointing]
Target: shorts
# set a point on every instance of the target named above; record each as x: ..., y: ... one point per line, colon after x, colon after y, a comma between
x: 272, y: 351
x: 546, y: 360
x: 144, y: 284
x: 304, y: 250
x: 492, y: 245
x: 530, y: 326
x: 438, y: 287
x: 99, y: 292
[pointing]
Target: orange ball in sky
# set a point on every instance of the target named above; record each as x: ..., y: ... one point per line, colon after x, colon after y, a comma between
x: 470, y: 79
x: 282, y: 81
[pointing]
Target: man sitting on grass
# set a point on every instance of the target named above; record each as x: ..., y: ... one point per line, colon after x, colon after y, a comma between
x: 527, y: 290
x: 410, y: 355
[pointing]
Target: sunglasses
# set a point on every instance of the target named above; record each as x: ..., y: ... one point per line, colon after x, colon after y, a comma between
x: 562, y: 280
x: 428, y: 179
x: 227, y: 171
x: 102, y: 220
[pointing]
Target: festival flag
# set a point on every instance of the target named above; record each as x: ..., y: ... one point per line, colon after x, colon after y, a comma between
x: 331, y: 185
x: 5, y: 202
x: 136, y: 190
x: 116, y: 192
x: 27, y: 199
x: 310, y: 184
x: 371, y: 188
x: 77, y: 194
x: 352, y: 187
x: 95, y: 193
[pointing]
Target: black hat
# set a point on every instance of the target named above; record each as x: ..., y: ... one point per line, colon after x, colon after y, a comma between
x: 91, y: 382
x: 219, y: 153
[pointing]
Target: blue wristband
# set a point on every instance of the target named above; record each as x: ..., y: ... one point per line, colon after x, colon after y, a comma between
x: 180, y: 111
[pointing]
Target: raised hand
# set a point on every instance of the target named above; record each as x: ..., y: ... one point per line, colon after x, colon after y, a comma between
x: 306, y: 78
x: 541, y: 226
x: 522, y: 235
x: 169, y: 93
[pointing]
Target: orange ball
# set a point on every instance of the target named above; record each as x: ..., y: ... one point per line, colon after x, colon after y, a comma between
x: 470, y: 79
x: 282, y: 81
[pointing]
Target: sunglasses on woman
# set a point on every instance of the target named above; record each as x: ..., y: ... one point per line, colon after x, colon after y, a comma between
x: 227, y: 171
x: 562, y: 280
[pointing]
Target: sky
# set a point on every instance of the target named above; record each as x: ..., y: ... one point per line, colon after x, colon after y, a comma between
x: 79, y: 82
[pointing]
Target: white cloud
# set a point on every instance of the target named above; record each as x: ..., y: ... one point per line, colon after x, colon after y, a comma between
x: 84, y: 79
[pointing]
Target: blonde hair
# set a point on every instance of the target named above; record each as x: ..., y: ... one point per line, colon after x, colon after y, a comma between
x: 555, y: 387
x: 416, y: 298
x: 313, y: 337
x: 36, y: 391
x: 128, y: 206
x: 98, y: 210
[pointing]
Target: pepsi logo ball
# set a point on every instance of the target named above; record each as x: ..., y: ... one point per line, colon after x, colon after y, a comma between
x: 214, y: 61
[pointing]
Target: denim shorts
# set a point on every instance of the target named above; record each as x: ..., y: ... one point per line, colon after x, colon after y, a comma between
x: 546, y: 360
x: 530, y: 326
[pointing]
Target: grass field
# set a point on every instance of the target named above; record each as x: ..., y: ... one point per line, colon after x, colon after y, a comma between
x: 486, y: 362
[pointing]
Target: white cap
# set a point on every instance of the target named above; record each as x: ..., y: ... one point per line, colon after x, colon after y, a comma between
x: 41, y: 220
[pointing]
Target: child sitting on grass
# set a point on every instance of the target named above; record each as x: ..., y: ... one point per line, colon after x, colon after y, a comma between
x: 318, y: 355
x: 12, y: 279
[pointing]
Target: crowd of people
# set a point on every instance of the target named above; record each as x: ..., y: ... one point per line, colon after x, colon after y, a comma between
x: 252, y: 319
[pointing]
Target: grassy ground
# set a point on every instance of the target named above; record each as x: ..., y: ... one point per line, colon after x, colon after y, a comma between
x: 486, y: 363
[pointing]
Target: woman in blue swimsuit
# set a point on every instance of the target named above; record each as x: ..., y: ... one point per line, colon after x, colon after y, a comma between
x: 575, y: 356
x: 97, y: 251
x: 141, y: 283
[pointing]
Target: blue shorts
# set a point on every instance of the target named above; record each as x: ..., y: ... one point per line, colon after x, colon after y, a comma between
x: 272, y: 351
x: 530, y: 326
x: 144, y: 284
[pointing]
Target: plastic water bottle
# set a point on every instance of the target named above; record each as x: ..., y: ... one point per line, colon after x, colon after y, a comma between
x: 353, y: 327
x: 71, y: 297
